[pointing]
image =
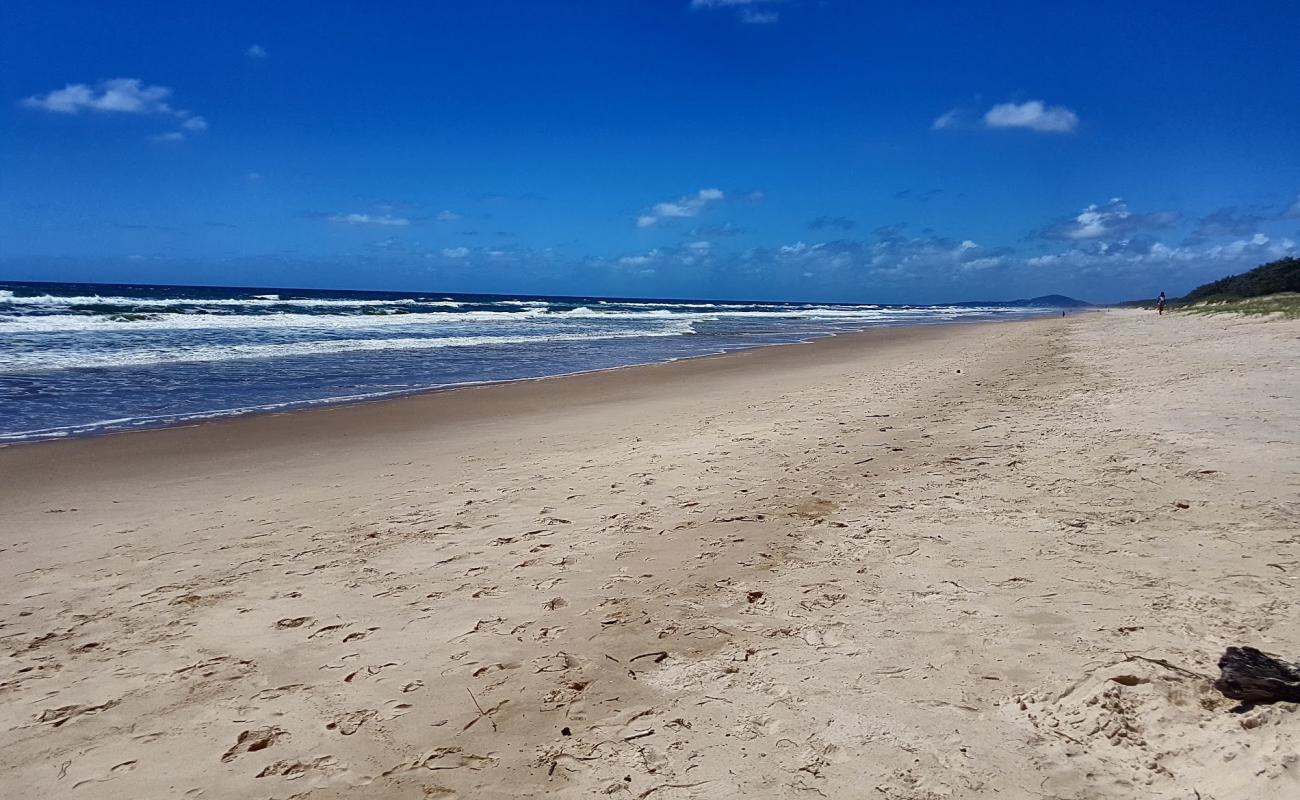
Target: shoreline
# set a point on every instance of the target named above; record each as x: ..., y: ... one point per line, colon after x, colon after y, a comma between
x: 929, y: 562
x: 97, y: 429
x: 421, y: 409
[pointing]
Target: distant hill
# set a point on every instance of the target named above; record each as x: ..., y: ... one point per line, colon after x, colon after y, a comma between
x: 1046, y: 301
x: 1274, y: 277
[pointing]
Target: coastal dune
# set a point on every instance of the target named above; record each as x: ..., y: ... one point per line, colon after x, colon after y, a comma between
x: 943, y: 561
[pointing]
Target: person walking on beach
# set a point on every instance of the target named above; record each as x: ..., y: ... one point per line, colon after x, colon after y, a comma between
x: 1160, y: 303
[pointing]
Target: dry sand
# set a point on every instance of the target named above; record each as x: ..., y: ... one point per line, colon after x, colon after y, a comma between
x: 946, y: 562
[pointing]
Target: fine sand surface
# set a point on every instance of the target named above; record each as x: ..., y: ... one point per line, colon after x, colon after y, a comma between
x: 945, y: 562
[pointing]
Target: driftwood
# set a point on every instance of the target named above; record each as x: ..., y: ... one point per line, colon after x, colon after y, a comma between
x: 1255, y: 677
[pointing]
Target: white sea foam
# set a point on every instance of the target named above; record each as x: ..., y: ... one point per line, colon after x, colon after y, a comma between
x: 222, y: 302
x: 145, y: 356
x: 70, y: 323
x: 144, y: 321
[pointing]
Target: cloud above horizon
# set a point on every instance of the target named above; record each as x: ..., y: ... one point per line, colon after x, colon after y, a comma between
x: 125, y: 95
x: 948, y: 119
x: 256, y: 51
x: 822, y: 222
x: 1109, y: 220
x: 1226, y: 222
x: 118, y: 96
x: 1118, y: 258
x: 369, y: 219
x: 749, y: 12
x: 689, y: 206
x: 1035, y: 115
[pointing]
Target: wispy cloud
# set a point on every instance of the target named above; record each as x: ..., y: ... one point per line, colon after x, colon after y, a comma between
x: 728, y: 3
x: 455, y: 252
x: 119, y: 96
x: 918, y: 196
x: 688, y: 206
x: 1113, y: 258
x: 1294, y: 211
x: 823, y: 222
x: 726, y: 229
x: 447, y: 216
x: 256, y: 51
x: 1226, y: 222
x: 948, y: 119
x: 750, y: 16
x: 749, y: 12
x: 1110, y: 220
x: 369, y: 219
x: 639, y: 261
x: 1032, y: 114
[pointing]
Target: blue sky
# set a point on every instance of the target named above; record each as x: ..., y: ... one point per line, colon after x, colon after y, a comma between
x: 782, y: 149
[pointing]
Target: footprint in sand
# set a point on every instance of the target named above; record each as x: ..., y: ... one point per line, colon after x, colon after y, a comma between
x: 349, y: 724
x: 292, y: 770
x: 58, y: 716
x: 252, y: 741
x: 454, y: 758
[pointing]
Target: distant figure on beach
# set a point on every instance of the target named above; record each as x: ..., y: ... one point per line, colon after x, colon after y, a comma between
x: 1160, y: 303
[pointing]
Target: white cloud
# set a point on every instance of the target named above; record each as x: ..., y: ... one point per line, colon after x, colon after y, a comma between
x: 447, y: 216
x: 369, y: 219
x: 127, y: 95
x: 1111, y: 257
x: 253, y: 177
x: 455, y: 252
x: 255, y: 51
x: 894, y: 258
x: 1034, y: 115
x: 726, y: 3
x: 751, y: 17
x: 1110, y: 220
x: 635, y: 261
x: 122, y: 96
x: 946, y: 120
x: 688, y: 206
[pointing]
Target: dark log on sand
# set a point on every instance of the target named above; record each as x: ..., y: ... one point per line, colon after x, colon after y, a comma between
x: 1255, y: 677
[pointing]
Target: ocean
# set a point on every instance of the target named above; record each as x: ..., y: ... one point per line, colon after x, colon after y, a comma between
x: 79, y: 359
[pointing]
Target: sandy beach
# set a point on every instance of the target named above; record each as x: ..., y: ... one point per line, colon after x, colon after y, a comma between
x: 995, y: 560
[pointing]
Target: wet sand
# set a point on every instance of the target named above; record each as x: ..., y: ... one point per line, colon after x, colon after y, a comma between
x: 950, y: 561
